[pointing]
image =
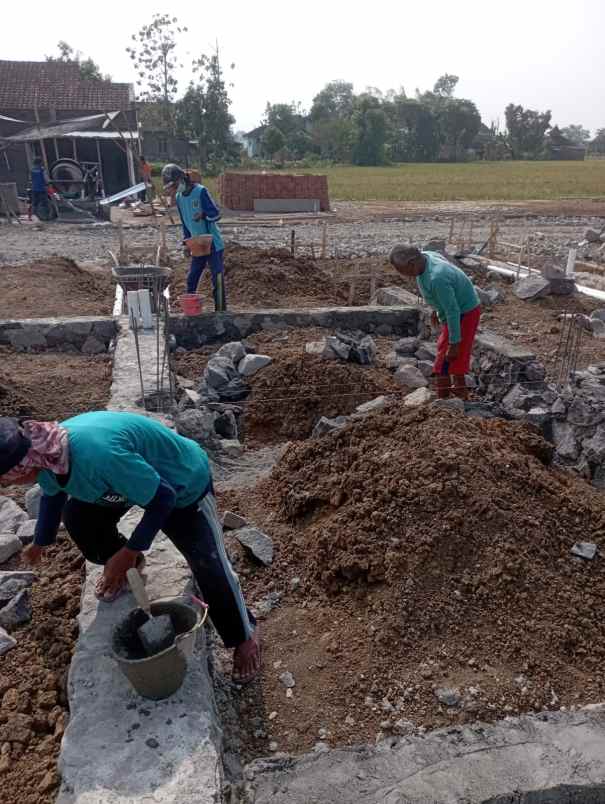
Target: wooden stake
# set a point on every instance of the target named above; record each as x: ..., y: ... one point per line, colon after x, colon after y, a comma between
x: 292, y: 242
x: 351, y: 292
x: 121, y: 252
x: 451, y: 234
x: 470, y: 236
x: 372, y: 282
x: 324, y: 240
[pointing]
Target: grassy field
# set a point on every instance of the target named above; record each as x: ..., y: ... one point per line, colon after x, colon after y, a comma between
x: 474, y: 181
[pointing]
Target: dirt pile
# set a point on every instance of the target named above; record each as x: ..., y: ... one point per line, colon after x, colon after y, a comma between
x: 444, y: 542
x: 56, y: 286
x: 33, y: 682
x: 257, y: 278
x: 290, y: 395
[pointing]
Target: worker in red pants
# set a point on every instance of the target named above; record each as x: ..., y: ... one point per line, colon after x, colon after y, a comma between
x: 456, y: 305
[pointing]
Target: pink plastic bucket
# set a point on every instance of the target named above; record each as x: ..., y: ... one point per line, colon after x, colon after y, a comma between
x: 191, y: 303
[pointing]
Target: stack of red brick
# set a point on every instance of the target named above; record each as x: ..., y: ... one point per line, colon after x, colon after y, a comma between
x: 238, y: 190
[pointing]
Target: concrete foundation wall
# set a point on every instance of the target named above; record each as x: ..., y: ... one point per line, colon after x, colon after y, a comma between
x: 194, y: 331
x: 90, y: 335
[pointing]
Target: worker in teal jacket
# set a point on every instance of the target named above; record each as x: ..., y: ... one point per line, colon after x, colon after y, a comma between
x: 456, y: 305
x: 199, y: 216
x: 92, y: 469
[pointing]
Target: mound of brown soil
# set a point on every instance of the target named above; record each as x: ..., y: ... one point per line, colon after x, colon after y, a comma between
x: 291, y: 394
x: 444, y: 542
x: 55, y: 287
x: 257, y: 278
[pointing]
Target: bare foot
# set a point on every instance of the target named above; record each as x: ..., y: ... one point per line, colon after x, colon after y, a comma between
x: 246, y: 659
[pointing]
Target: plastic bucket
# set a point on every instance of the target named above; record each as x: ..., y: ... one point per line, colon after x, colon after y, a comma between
x: 199, y: 246
x: 158, y: 676
x: 191, y: 303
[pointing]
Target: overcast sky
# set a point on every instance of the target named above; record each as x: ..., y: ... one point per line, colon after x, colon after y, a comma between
x: 539, y: 53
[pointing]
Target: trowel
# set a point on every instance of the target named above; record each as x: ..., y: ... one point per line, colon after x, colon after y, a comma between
x: 157, y: 633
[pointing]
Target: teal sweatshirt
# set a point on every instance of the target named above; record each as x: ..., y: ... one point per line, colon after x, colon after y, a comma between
x: 189, y: 206
x: 120, y: 457
x: 448, y: 290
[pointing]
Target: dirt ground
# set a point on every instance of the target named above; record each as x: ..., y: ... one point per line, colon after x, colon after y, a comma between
x: 417, y: 551
x: 56, y: 286
x: 51, y: 385
x: 33, y: 680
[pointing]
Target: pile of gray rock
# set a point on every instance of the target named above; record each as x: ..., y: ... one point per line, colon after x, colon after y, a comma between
x: 16, y: 530
x: 592, y: 246
x: 352, y: 347
x: 209, y: 414
x: 553, y: 281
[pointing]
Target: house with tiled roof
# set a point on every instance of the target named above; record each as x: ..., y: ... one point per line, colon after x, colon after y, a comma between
x: 47, y: 109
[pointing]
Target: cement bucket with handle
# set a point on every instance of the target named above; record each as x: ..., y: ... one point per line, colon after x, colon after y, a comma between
x: 158, y: 676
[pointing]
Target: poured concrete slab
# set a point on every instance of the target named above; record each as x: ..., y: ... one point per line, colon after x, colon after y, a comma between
x: 120, y: 748
x: 555, y: 758
x: 490, y: 342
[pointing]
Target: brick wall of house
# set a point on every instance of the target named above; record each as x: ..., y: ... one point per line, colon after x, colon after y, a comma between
x: 238, y: 190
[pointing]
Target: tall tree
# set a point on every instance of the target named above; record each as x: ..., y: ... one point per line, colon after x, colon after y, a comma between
x: 459, y: 123
x: 371, y: 131
x: 335, y: 102
x: 89, y: 70
x: 526, y: 129
x: 154, y: 57
x: 445, y: 85
x: 203, y: 114
x: 577, y: 134
x: 273, y: 141
x: 597, y: 145
x: 413, y: 133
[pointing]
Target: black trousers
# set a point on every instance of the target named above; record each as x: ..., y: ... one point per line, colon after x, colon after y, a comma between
x: 196, y: 533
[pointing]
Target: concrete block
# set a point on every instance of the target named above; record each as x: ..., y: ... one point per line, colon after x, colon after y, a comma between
x: 286, y: 205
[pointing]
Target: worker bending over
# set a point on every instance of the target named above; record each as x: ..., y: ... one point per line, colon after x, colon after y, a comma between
x: 455, y: 302
x: 199, y: 216
x: 92, y: 469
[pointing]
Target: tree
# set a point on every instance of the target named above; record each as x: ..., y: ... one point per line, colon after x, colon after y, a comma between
x: 89, y: 70
x: 577, y: 134
x: 154, y: 59
x: 371, y: 129
x: 413, y: 134
x: 335, y: 102
x: 445, y: 85
x: 459, y: 122
x: 290, y: 120
x: 597, y: 146
x: 334, y: 139
x: 203, y: 114
x: 526, y: 129
x: 273, y: 141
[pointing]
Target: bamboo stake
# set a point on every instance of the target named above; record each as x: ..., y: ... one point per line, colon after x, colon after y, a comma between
x: 292, y: 242
x: 324, y: 240
x: 451, y: 234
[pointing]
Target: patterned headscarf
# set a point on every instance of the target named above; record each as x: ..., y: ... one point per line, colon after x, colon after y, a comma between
x: 49, y: 450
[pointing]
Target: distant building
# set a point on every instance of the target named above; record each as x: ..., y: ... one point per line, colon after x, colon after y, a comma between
x: 160, y: 146
x: 560, y: 147
x: 48, y: 110
x: 253, y: 142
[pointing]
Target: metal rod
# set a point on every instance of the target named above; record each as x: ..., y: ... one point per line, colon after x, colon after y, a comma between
x: 134, y: 326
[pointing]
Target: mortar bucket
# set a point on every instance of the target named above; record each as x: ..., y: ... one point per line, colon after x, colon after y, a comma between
x: 200, y: 245
x: 191, y: 303
x: 158, y: 676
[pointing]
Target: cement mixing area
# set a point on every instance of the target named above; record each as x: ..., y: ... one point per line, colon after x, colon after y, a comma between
x: 428, y: 575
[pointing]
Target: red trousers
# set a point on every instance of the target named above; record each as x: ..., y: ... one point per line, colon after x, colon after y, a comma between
x: 468, y: 329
